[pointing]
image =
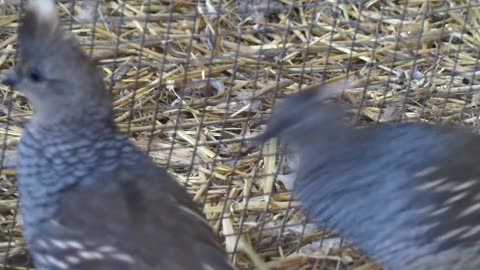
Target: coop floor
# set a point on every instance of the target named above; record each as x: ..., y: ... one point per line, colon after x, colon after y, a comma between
x: 204, y: 84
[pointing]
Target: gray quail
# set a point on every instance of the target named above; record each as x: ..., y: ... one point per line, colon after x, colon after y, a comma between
x: 89, y: 198
x: 406, y: 194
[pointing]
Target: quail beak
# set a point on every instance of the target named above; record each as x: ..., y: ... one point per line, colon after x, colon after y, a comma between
x: 260, y: 139
x: 11, y: 79
x: 254, y: 143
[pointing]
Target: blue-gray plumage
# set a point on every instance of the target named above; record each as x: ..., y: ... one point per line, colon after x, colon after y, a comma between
x: 408, y: 195
x: 89, y: 198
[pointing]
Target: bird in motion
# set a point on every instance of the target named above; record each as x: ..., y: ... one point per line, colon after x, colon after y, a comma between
x: 406, y: 194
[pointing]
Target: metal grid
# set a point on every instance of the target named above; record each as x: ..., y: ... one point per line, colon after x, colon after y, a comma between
x: 193, y: 81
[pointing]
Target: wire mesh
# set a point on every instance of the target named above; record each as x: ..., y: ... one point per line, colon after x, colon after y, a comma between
x: 194, y: 81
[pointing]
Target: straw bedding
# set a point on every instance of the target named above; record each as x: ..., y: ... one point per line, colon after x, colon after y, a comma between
x: 192, y: 82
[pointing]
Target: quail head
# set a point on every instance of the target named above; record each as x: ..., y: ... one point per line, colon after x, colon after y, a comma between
x: 89, y: 198
x: 407, y: 194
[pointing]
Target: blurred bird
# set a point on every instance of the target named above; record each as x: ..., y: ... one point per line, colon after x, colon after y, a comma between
x: 89, y: 198
x: 408, y: 195
x: 259, y: 9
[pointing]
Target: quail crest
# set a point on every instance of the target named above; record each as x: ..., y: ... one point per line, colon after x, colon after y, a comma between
x: 89, y: 198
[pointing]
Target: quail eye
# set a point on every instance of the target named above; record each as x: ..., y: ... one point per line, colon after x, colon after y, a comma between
x: 35, y: 76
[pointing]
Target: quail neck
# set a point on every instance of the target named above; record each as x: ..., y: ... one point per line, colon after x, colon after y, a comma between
x: 56, y: 158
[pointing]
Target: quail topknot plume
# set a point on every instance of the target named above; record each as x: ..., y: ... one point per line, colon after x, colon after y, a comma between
x: 89, y: 198
x: 406, y: 194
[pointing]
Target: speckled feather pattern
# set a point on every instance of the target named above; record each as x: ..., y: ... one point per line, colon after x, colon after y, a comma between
x: 52, y: 161
x: 406, y: 194
x: 393, y: 198
x: 90, y: 199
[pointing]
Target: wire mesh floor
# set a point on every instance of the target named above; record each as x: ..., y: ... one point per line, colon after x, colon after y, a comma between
x: 193, y: 81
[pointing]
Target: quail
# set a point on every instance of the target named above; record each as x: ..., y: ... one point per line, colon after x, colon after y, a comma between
x: 406, y: 194
x: 90, y: 199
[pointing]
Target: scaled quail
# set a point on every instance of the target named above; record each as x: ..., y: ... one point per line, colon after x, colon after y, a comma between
x: 406, y: 194
x: 90, y: 199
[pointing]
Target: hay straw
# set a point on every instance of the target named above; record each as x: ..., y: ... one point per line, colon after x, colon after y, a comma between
x: 418, y: 66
